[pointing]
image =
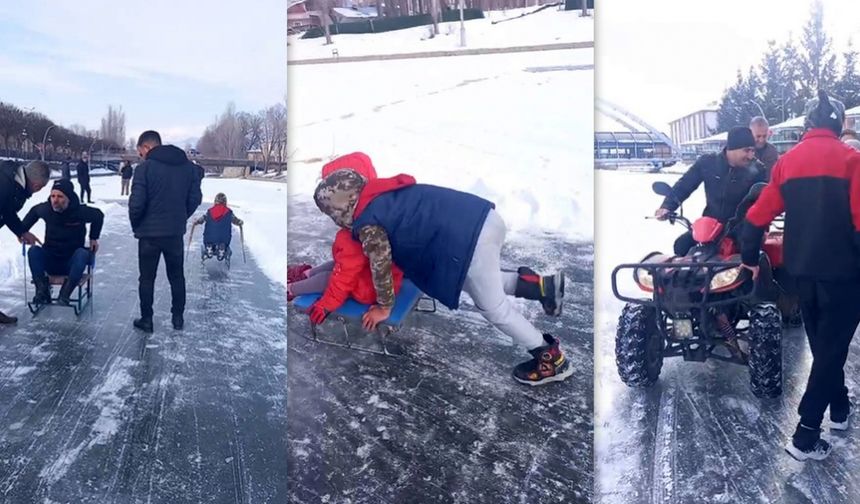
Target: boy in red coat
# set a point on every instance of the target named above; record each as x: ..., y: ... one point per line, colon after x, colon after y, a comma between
x: 348, y: 274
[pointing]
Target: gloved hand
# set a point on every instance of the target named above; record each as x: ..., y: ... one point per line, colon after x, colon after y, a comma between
x: 317, y: 314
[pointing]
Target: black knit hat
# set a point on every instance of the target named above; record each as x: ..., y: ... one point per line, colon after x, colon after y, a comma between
x: 740, y: 137
x: 64, y: 186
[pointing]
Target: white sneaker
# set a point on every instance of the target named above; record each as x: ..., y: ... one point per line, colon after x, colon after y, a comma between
x: 819, y: 451
x: 843, y: 425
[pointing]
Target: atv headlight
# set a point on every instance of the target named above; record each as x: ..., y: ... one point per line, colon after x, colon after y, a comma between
x: 644, y: 279
x: 725, y: 278
x: 683, y: 328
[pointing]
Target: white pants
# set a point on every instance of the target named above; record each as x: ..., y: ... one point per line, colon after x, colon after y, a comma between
x: 489, y: 287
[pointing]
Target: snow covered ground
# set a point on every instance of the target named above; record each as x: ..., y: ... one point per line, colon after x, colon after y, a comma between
x: 548, y: 26
x: 699, y: 435
x: 260, y: 204
x: 450, y: 425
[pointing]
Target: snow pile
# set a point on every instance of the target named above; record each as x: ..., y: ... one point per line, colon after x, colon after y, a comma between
x: 516, y: 129
x: 549, y: 26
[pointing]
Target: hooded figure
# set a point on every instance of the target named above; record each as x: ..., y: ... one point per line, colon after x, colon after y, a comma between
x: 817, y: 185
x: 445, y: 242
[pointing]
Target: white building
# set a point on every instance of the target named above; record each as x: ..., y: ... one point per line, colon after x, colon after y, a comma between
x: 694, y: 126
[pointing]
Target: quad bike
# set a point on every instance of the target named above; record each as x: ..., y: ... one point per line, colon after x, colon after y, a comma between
x: 703, y: 305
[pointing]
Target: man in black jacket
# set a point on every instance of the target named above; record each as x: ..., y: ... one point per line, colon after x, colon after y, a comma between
x: 17, y: 184
x: 67, y: 168
x: 728, y: 177
x: 64, y: 251
x: 83, y: 170
x: 165, y: 192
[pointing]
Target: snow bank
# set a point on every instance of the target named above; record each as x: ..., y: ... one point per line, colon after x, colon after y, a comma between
x: 514, y: 128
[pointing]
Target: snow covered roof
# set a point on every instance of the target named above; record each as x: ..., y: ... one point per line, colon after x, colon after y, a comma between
x: 796, y: 122
x: 853, y: 111
x: 719, y: 137
x: 293, y: 3
x: 351, y: 13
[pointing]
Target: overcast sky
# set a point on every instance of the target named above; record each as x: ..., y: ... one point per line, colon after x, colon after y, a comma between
x: 663, y: 59
x: 172, y: 66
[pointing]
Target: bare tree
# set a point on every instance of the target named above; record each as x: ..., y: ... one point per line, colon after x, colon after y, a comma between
x: 273, y: 141
x: 113, y: 126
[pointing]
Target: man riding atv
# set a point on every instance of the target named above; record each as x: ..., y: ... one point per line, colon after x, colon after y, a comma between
x: 700, y: 303
x: 728, y: 177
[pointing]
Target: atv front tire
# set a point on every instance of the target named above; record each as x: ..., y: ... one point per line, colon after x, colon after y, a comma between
x: 765, y: 340
x: 638, y: 346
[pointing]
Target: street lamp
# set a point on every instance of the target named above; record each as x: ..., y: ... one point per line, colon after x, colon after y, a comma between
x: 45, y: 139
x: 24, y: 143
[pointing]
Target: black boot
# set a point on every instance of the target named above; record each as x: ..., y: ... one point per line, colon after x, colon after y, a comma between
x: 549, y: 290
x: 178, y: 322
x: 144, y: 324
x: 43, y: 290
x: 65, y: 295
x: 6, y: 319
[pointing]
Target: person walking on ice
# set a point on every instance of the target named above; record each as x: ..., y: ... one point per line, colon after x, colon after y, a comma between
x: 446, y: 242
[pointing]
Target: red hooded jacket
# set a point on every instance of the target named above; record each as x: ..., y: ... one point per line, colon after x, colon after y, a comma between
x: 351, y: 276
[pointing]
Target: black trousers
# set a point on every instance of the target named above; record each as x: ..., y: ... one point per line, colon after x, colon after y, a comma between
x: 831, y: 313
x: 149, y: 252
x: 85, y: 188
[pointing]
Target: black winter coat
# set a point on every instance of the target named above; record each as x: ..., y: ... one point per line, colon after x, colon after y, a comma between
x: 165, y: 192
x: 65, y: 232
x: 12, y: 197
x: 725, y: 186
x: 83, y: 170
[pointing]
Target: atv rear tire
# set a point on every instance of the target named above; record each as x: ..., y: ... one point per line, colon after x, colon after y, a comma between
x: 765, y: 340
x: 638, y: 346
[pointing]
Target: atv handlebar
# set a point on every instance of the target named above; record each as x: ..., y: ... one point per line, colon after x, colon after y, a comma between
x: 674, y: 217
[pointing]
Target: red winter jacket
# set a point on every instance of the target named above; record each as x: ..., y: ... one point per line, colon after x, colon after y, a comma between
x: 352, y: 276
x: 817, y: 185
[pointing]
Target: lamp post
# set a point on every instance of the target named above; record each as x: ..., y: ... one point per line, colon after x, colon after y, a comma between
x: 45, y: 139
x: 24, y: 142
x: 462, y: 27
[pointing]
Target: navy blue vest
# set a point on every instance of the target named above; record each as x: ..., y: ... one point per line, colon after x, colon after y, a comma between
x: 219, y: 231
x: 433, y: 231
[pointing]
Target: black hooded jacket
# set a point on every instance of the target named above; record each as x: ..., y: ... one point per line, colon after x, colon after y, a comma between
x: 725, y: 186
x: 83, y: 172
x: 66, y: 231
x: 12, y: 197
x: 165, y: 192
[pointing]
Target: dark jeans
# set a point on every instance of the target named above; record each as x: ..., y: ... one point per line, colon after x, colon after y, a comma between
x: 85, y: 188
x: 43, y: 262
x: 150, y: 251
x: 830, y: 317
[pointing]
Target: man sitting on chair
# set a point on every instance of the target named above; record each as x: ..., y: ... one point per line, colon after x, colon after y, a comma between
x: 217, y: 230
x: 63, y: 253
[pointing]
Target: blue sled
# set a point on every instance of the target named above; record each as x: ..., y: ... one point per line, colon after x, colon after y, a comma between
x: 407, y: 300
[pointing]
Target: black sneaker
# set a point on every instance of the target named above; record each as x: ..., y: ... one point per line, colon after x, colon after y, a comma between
x: 840, y: 420
x: 548, y: 365
x: 807, y: 444
x: 144, y: 324
x: 549, y: 290
x: 178, y: 322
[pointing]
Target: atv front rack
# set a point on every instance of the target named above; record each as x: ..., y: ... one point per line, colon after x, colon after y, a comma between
x: 659, y: 275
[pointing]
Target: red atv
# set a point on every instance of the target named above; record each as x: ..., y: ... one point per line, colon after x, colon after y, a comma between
x: 703, y: 305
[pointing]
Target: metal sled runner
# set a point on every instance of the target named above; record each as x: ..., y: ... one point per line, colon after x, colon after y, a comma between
x: 79, y: 302
x: 408, y: 299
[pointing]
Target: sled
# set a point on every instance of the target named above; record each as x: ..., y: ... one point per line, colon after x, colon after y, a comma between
x: 84, y: 293
x: 407, y: 300
x: 228, y: 253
